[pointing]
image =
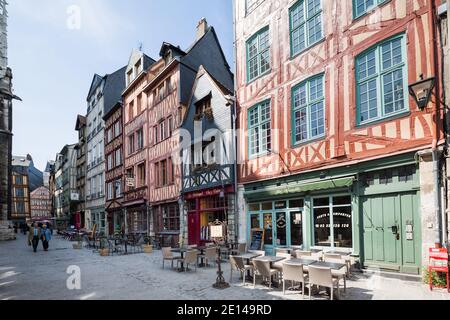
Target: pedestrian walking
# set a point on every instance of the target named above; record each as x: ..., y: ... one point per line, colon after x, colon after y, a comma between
x: 34, y: 236
x: 46, y: 235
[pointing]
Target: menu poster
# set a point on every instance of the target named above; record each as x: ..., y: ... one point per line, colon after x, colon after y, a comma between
x: 257, y: 239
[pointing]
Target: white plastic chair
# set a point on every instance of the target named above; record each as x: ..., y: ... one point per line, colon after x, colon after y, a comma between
x: 322, y: 277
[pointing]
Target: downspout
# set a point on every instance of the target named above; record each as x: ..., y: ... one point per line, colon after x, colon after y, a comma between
x: 234, y: 136
x: 436, y: 117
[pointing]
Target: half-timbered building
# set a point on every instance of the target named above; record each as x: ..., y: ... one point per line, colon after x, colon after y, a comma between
x: 334, y: 152
x: 135, y: 140
x: 168, y: 92
x: 208, y: 159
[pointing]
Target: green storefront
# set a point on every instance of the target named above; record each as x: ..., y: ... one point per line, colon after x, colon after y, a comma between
x: 370, y: 210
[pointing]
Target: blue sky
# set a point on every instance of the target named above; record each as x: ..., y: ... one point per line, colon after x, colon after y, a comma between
x: 54, y: 58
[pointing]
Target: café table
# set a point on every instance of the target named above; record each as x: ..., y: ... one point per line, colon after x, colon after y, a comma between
x: 181, y: 251
x: 331, y: 265
x: 202, y: 252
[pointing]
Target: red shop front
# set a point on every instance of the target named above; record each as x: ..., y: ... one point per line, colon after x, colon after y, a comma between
x: 204, y: 207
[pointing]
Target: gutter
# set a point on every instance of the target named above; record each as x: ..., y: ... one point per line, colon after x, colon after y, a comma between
x: 234, y: 124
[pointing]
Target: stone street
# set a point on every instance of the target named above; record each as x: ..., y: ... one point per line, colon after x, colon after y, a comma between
x: 25, y: 275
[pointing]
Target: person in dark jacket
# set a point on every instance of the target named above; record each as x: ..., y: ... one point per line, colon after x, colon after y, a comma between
x: 34, y: 236
x: 46, y: 235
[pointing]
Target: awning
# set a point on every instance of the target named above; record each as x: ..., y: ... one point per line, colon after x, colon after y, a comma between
x: 291, y: 189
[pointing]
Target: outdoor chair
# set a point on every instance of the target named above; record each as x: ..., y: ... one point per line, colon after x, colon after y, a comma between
x: 293, y: 273
x: 281, y: 250
x: 339, y: 274
x: 241, y: 249
x: 262, y: 268
x: 114, y: 247
x: 322, y: 277
x: 238, y: 264
x: 300, y: 254
x: 168, y: 255
x: 279, y: 265
x: 209, y: 255
x: 190, y: 258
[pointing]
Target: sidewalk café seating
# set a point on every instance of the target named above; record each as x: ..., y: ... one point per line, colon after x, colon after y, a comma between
x: 322, y: 277
x: 339, y: 274
x: 190, y: 258
x: 115, y: 247
x: 301, y: 253
x: 293, y: 273
x: 241, y: 249
x: 237, y: 263
x: 279, y: 265
x: 282, y: 250
x: 261, y: 253
x: 210, y: 255
x: 262, y: 268
x: 168, y: 255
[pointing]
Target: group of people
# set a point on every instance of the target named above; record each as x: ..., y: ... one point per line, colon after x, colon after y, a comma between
x: 36, y: 234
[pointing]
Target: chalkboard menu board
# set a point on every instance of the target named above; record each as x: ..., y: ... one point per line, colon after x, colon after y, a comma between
x: 257, y: 239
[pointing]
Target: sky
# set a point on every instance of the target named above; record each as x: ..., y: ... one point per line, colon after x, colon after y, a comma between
x: 56, y: 46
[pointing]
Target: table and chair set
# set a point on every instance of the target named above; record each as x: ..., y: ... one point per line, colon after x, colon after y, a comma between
x: 310, y: 269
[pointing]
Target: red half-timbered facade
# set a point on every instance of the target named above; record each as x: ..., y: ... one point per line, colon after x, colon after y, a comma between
x: 322, y: 90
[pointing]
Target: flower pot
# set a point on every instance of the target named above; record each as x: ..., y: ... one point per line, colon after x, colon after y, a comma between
x: 104, y: 252
x: 147, y: 248
x: 77, y: 246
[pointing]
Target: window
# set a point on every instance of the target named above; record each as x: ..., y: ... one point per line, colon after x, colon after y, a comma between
x: 251, y: 5
x: 161, y: 92
x: 162, y: 130
x: 155, y: 135
x: 109, y: 136
x: 171, y: 217
x: 118, y: 156
x: 164, y: 173
x: 170, y: 125
x: 118, y: 188
x: 131, y: 146
x: 19, y: 193
x: 305, y: 25
x: 117, y: 129
x: 19, y: 180
x: 163, y: 168
x: 360, y: 7
x: 110, y: 162
x: 168, y: 86
x: 101, y: 184
x: 129, y: 76
x: 139, y: 104
x: 140, y: 139
x: 131, y: 111
x: 171, y: 172
x: 258, y: 54
x: 259, y: 128
x: 202, y: 106
x: 308, y: 110
x: 382, y: 81
x: 110, y: 194
x: 333, y: 222
x: 141, y: 175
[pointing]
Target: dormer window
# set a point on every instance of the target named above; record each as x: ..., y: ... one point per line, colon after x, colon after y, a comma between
x: 203, y: 108
x: 168, y: 57
x: 138, y: 68
x: 129, y: 76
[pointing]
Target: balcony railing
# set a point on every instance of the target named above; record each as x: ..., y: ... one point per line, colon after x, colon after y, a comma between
x: 207, y: 177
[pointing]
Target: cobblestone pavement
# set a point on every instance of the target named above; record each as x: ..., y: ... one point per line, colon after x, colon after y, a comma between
x: 42, y: 275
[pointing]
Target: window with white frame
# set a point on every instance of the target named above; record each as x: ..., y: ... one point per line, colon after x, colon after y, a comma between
x: 251, y: 5
x: 308, y: 108
x: 259, y: 135
x: 381, y: 81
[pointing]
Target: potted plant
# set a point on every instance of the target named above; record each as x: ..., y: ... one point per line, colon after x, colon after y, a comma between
x: 147, y: 247
x: 104, y: 248
x: 79, y: 243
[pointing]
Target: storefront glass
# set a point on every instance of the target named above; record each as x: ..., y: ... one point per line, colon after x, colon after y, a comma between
x: 333, y: 222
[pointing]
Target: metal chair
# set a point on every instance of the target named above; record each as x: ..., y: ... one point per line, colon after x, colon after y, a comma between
x: 190, y: 258
x: 168, y: 255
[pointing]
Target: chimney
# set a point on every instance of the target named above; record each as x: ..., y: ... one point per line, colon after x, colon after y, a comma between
x: 202, y: 27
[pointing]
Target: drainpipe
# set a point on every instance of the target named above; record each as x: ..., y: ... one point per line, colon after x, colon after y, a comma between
x: 436, y: 116
x: 234, y: 120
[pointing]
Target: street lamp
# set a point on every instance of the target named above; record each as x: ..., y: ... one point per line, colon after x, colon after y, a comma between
x: 421, y: 91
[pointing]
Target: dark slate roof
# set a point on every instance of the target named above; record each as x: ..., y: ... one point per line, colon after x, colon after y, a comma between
x: 148, y: 62
x: 50, y: 165
x: 35, y: 176
x: 114, y: 86
x: 206, y: 51
x: 81, y: 122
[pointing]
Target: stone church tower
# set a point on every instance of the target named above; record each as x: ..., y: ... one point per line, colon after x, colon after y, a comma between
x: 6, y: 97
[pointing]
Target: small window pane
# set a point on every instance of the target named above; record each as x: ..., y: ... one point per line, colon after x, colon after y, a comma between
x: 267, y: 206
x: 295, y: 204
x: 253, y: 206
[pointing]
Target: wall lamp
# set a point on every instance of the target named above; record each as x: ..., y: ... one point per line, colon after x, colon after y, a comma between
x: 421, y: 91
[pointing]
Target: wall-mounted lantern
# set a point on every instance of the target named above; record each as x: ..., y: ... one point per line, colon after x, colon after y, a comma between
x: 421, y: 91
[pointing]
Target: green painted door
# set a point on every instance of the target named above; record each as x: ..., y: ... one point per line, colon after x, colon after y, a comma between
x: 391, y: 229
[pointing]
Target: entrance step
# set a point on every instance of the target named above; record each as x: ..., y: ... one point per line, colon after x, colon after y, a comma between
x: 394, y: 275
